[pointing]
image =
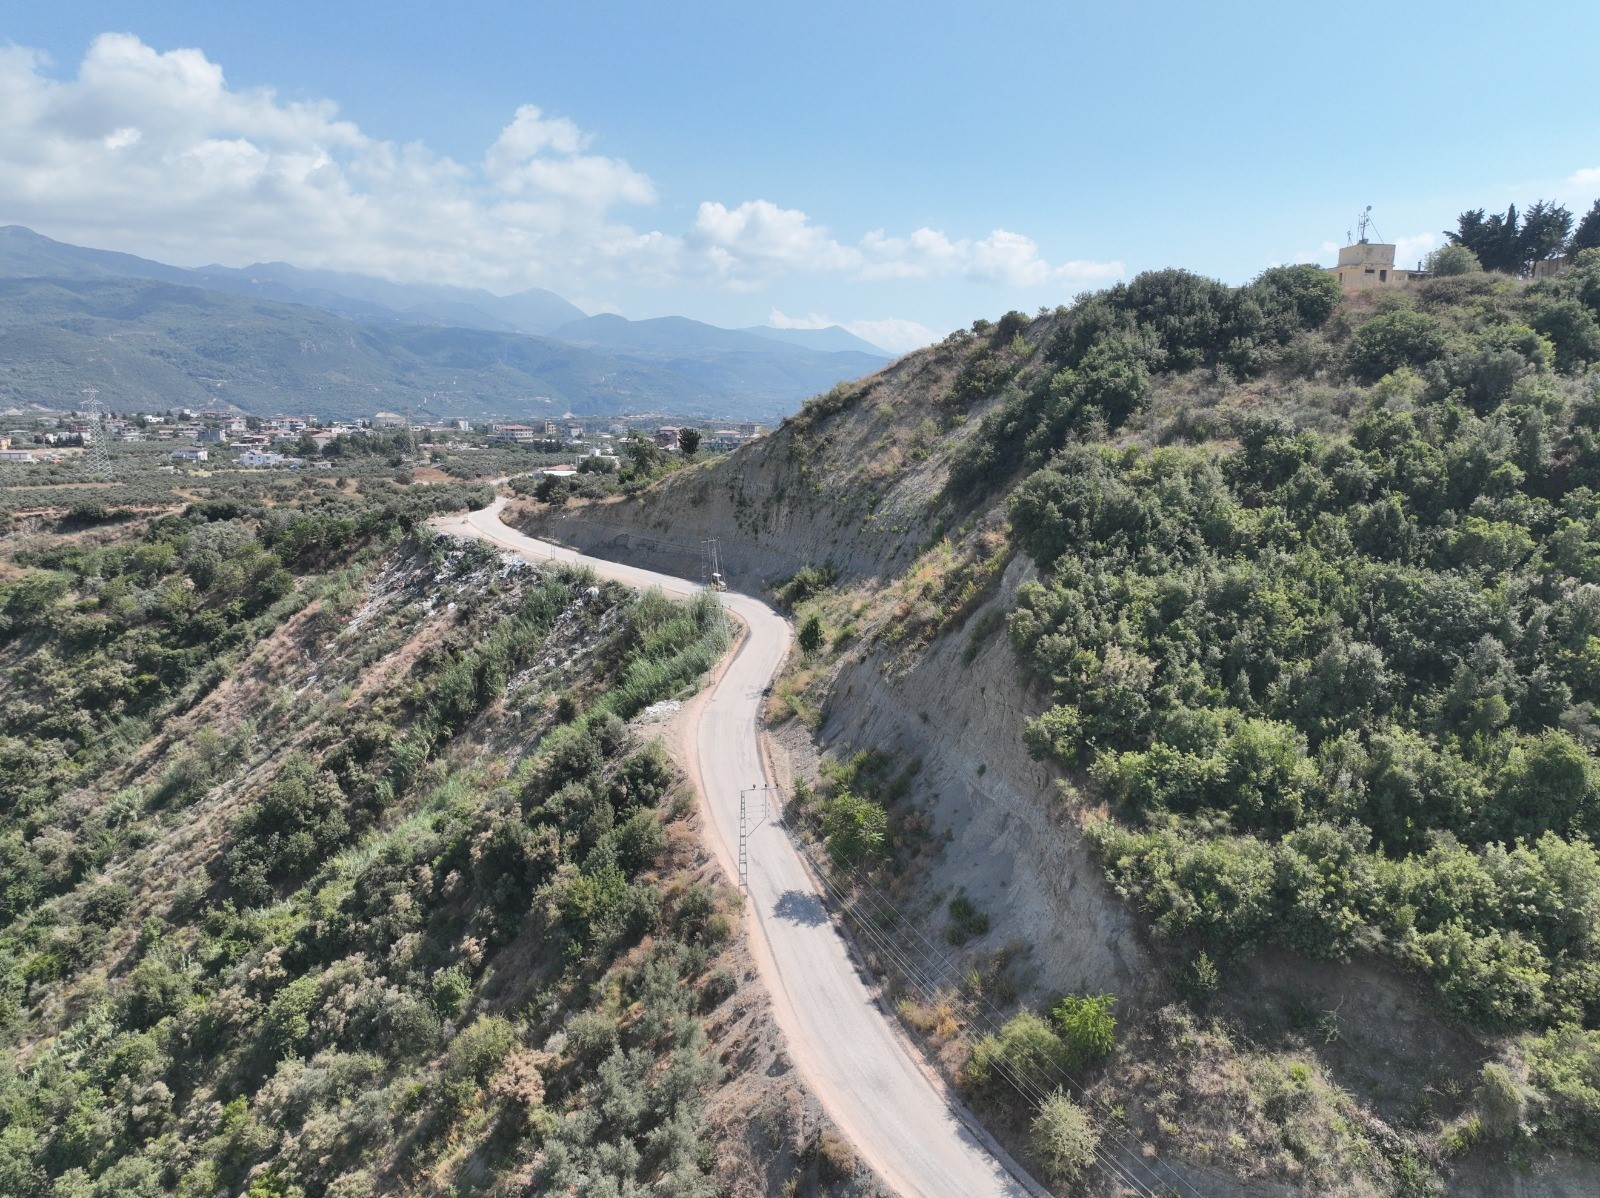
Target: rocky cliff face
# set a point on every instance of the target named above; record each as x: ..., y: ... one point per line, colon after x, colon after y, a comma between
x: 1011, y: 845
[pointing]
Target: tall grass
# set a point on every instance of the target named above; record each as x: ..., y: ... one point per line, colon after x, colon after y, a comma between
x: 674, y: 643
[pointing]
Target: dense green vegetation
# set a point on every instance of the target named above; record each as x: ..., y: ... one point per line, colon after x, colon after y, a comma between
x: 1338, y: 675
x: 283, y: 913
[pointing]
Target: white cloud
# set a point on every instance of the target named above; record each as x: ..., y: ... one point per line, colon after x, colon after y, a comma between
x: 895, y: 334
x: 153, y: 152
x: 1003, y: 258
x: 815, y: 320
x: 1580, y: 191
x: 1408, y: 250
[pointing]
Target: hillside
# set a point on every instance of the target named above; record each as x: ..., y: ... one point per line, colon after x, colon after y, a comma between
x: 337, y: 859
x: 157, y: 345
x: 1226, y: 651
x: 274, y: 337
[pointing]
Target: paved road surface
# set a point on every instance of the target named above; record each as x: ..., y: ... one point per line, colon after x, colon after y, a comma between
x: 904, y: 1124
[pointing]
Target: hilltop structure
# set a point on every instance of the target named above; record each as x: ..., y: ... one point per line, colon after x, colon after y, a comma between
x: 1368, y: 264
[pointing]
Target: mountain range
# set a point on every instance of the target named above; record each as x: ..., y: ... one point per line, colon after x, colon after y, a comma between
x: 273, y: 337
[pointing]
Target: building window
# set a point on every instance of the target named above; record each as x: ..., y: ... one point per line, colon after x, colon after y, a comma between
x: 1370, y: 271
x: 1383, y: 276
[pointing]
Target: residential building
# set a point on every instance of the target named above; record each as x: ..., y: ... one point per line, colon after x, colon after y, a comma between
x: 191, y: 454
x: 519, y: 434
x: 259, y: 457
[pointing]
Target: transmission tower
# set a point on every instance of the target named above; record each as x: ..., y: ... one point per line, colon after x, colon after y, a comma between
x: 96, y: 455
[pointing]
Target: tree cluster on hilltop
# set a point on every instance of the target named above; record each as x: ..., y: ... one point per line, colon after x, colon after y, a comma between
x: 1511, y: 243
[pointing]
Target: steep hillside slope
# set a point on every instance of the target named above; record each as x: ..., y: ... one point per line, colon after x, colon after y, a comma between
x: 1291, y: 748
x: 338, y: 860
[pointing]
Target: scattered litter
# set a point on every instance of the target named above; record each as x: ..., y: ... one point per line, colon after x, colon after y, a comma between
x: 659, y: 710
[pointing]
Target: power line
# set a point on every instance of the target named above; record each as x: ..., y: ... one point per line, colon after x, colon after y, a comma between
x: 1031, y: 1089
x: 986, y: 1017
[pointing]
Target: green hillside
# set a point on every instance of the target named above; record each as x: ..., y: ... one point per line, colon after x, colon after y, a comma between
x: 148, y: 344
x: 331, y: 865
x: 1249, y: 638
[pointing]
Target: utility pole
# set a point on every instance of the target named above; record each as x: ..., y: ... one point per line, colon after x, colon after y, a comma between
x: 94, y: 441
x: 746, y: 826
x: 711, y: 566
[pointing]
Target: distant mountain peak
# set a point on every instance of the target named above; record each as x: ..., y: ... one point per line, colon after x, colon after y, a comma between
x: 834, y: 337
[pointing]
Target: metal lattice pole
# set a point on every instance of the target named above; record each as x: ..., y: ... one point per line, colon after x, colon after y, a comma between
x: 746, y: 827
x: 744, y: 844
x: 96, y: 454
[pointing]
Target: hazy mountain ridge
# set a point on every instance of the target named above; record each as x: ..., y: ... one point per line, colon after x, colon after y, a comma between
x: 24, y: 253
x: 345, y: 344
x: 150, y: 344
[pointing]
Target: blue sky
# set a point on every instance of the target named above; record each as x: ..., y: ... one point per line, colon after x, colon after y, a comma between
x: 901, y: 169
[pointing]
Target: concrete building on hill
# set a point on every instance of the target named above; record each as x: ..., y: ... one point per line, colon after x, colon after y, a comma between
x: 1365, y: 264
x: 1369, y: 264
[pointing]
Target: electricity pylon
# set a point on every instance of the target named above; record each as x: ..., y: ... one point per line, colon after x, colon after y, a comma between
x: 96, y: 453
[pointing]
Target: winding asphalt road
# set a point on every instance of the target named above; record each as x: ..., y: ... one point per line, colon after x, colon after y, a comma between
x: 902, y: 1121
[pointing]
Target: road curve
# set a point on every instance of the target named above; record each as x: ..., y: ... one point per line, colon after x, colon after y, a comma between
x: 904, y: 1123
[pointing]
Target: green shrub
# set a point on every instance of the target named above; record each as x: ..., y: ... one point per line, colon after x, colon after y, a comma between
x: 298, y: 822
x: 854, y: 828
x: 806, y: 583
x: 1087, y: 1028
x: 1564, y: 1067
x: 966, y: 921
x: 478, y: 1049
x: 1394, y: 340
x: 452, y: 991
x: 287, y: 1025
x: 1502, y: 1100
x: 810, y: 634
x: 1063, y: 1138
x: 1026, y: 1048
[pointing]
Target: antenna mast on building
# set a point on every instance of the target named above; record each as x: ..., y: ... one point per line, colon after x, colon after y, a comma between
x: 94, y: 441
